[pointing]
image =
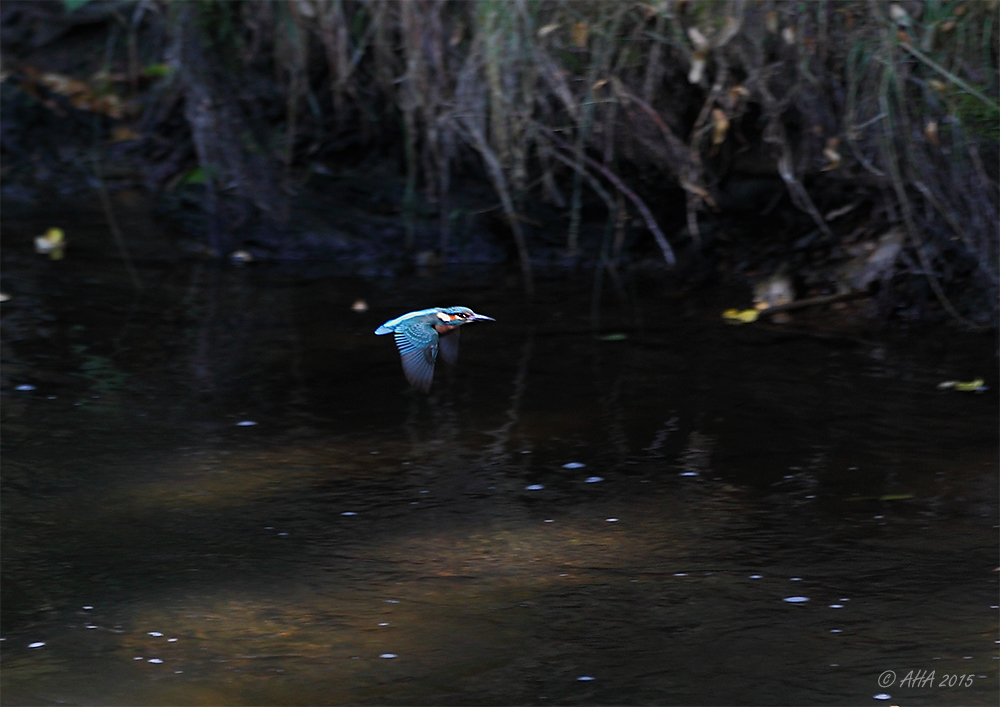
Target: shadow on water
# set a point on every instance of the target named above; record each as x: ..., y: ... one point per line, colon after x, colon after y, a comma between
x: 566, y: 518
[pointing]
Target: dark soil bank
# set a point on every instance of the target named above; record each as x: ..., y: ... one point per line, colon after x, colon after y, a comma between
x: 833, y: 149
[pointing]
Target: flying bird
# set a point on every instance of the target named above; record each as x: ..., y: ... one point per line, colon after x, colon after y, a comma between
x: 419, y: 335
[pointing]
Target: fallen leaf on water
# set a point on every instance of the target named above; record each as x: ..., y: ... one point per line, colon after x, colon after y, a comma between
x: 885, y: 497
x: 736, y: 316
x: 974, y: 386
x: 51, y: 243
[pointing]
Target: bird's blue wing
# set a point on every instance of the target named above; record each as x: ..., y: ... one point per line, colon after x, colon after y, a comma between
x: 418, y: 359
x: 449, y: 346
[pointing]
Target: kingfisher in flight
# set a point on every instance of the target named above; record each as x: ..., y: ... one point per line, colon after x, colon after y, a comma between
x: 419, y: 335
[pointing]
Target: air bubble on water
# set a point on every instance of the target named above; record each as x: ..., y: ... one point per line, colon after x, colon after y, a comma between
x: 388, y: 655
x: 383, y: 623
x: 282, y: 534
x: 534, y: 487
x: 89, y: 626
x: 245, y: 423
x: 611, y: 520
x: 155, y: 660
x: 879, y: 517
x: 584, y: 678
x: 549, y: 520
x: 836, y: 606
x: 87, y: 608
x: 689, y: 473
x: 835, y: 630
x: 171, y: 640
x: 155, y: 633
x: 37, y: 644
x: 348, y: 513
x: 882, y: 696
x: 25, y: 387
x: 574, y: 465
x: 796, y: 600
x: 138, y: 657
x: 756, y: 576
x: 680, y: 574
x: 794, y: 579
x: 392, y: 601
x: 593, y: 479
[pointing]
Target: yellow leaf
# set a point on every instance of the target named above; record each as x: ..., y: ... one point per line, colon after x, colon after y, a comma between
x: 974, y: 386
x: 51, y: 243
x: 580, y: 33
x: 831, y: 154
x: 720, y: 126
x: 123, y: 133
x: 931, y: 132
x: 735, y: 316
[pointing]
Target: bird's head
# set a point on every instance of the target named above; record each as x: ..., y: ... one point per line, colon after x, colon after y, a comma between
x: 457, y: 316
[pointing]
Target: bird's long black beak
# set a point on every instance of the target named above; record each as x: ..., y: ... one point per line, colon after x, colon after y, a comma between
x: 481, y: 318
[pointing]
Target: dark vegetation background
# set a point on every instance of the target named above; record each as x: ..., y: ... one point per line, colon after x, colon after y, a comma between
x: 845, y: 146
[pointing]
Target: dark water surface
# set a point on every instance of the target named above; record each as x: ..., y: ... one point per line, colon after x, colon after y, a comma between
x: 364, y: 544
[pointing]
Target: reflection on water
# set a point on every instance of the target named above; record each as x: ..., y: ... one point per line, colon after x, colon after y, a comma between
x: 686, y: 513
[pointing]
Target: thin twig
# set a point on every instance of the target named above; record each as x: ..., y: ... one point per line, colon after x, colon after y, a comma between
x: 661, y: 240
x: 950, y: 76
